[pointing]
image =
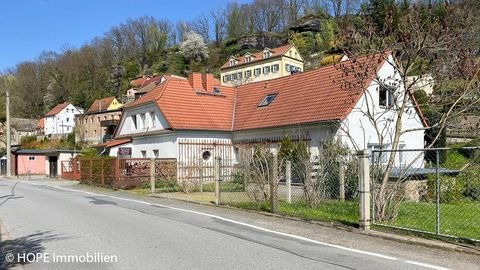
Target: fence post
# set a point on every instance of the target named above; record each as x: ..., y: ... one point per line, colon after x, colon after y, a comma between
x: 341, y: 179
x: 437, y: 192
x: 273, y: 185
x: 152, y: 176
x: 288, y: 181
x: 201, y: 175
x: 364, y: 188
x: 217, y: 180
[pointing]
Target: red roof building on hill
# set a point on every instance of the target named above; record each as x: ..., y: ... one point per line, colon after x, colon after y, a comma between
x: 329, y: 102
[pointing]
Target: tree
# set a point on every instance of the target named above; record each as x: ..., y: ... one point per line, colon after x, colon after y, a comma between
x: 439, y: 37
x: 193, y: 47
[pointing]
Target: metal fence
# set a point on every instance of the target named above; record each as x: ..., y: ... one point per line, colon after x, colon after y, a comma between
x: 435, y: 191
x: 317, y: 188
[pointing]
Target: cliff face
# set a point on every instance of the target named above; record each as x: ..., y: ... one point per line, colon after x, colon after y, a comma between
x: 260, y: 41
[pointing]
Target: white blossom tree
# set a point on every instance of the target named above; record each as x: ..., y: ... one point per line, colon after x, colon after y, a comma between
x: 194, y: 47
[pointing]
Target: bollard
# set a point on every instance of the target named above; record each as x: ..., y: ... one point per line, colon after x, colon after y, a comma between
x: 288, y: 181
x: 217, y: 180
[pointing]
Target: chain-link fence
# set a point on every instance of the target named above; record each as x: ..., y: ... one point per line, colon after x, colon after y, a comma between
x: 322, y: 187
x: 435, y: 191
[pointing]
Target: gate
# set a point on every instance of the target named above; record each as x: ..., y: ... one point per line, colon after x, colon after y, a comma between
x: 196, y: 159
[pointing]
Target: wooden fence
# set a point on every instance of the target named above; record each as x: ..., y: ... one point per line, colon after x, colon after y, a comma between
x: 117, y: 173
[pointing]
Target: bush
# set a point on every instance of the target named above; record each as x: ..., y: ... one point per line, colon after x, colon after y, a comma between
x: 471, y: 187
x: 450, y: 189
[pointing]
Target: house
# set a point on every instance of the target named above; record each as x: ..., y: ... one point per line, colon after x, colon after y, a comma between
x: 40, y: 127
x: 99, y: 122
x: 267, y: 64
x: 193, y: 120
x: 22, y: 127
x: 40, y: 161
x: 60, y: 120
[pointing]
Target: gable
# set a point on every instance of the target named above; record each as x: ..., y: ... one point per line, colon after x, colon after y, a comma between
x: 139, y: 120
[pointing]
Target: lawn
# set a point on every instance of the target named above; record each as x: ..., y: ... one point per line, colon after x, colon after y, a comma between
x: 458, y: 219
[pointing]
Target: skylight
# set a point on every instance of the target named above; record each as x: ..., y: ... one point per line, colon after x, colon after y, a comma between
x: 267, y: 100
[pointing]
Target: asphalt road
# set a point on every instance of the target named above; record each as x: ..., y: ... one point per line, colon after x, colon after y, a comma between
x: 58, y: 222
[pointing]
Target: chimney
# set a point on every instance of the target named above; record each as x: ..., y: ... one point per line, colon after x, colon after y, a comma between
x: 195, y: 80
x: 207, y: 81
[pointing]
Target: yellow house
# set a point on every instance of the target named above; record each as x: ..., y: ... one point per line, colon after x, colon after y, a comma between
x: 265, y: 65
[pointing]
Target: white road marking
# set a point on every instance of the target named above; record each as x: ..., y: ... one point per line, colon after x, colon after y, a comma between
x: 250, y: 226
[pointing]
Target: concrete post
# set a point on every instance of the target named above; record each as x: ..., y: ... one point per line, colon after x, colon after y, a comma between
x: 152, y: 176
x: 273, y: 185
x: 217, y: 180
x: 288, y: 181
x: 364, y: 188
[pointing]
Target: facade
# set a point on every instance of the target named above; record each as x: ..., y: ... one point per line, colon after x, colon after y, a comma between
x: 194, y: 119
x: 40, y: 162
x: 99, y: 122
x: 22, y: 127
x: 60, y: 120
x: 260, y: 66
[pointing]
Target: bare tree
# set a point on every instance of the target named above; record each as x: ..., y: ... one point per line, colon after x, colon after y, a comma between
x: 421, y: 36
x: 201, y: 25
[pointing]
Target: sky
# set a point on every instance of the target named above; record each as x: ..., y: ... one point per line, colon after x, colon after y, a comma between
x: 28, y: 27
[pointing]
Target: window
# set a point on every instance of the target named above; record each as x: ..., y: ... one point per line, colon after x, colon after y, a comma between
x: 267, y: 100
x: 206, y: 155
x: 142, y: 121
x: 155, y: 153
x: 233, y: 77
x: 239, y: 75
x: 105, y: 117
x: 152, y: 119
x: 266, y: 54
x: 385, y: 96
x: 248, y: 73
x: 31, y: 158
x: 257, y: 72
x: 266, y: 70
x: 91, y: 120
x: 67, y: 110
x: 143, y: 153
x: 275, y: 68
x: 68, y: 129
x: 98, y: 119
x: 226, y: 78
x: 378, y: 156
x: 86, y: 120
x: 94, y: 132
x: 287, y: 67
x: 134, y: 121
x: 248, y: 59
x: 232, y: 62
x: 290, y: 53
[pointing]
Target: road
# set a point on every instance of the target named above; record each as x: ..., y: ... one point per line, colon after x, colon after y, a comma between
x: 58, y: 222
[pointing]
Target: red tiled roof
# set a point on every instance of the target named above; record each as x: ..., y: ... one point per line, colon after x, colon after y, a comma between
x: 322, y: 95
x: 184, y: 108
x: 57, y: 109
x: 138, y: 81
x: 257, y: 56
x: 101, y: 104
x: 113, y: 143
x: 40, y: 124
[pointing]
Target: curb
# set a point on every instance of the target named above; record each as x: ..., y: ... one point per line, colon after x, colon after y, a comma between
x: 411, y: 240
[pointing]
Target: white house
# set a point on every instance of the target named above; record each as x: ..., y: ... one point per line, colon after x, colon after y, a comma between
x: 61, y: 119
x: 193, y: 120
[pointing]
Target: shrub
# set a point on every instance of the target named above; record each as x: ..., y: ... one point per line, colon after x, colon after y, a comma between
x: 471, y: 180
x: 450, y: 189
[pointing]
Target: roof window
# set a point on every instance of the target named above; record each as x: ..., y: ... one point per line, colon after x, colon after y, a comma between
x: 267, y: 100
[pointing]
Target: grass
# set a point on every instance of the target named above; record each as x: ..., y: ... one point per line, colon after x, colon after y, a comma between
x: 457, y: 219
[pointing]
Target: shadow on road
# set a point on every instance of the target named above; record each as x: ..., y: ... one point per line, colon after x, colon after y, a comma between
x: 32, y: 243
x: 98, y: 201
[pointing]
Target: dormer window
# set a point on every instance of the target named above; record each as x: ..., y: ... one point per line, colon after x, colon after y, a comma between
x: 266, y: 53
x: 233, y: 62
x: 248, y: 59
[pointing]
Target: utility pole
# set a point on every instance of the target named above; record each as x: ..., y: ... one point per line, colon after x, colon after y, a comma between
x: 9, y: 151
